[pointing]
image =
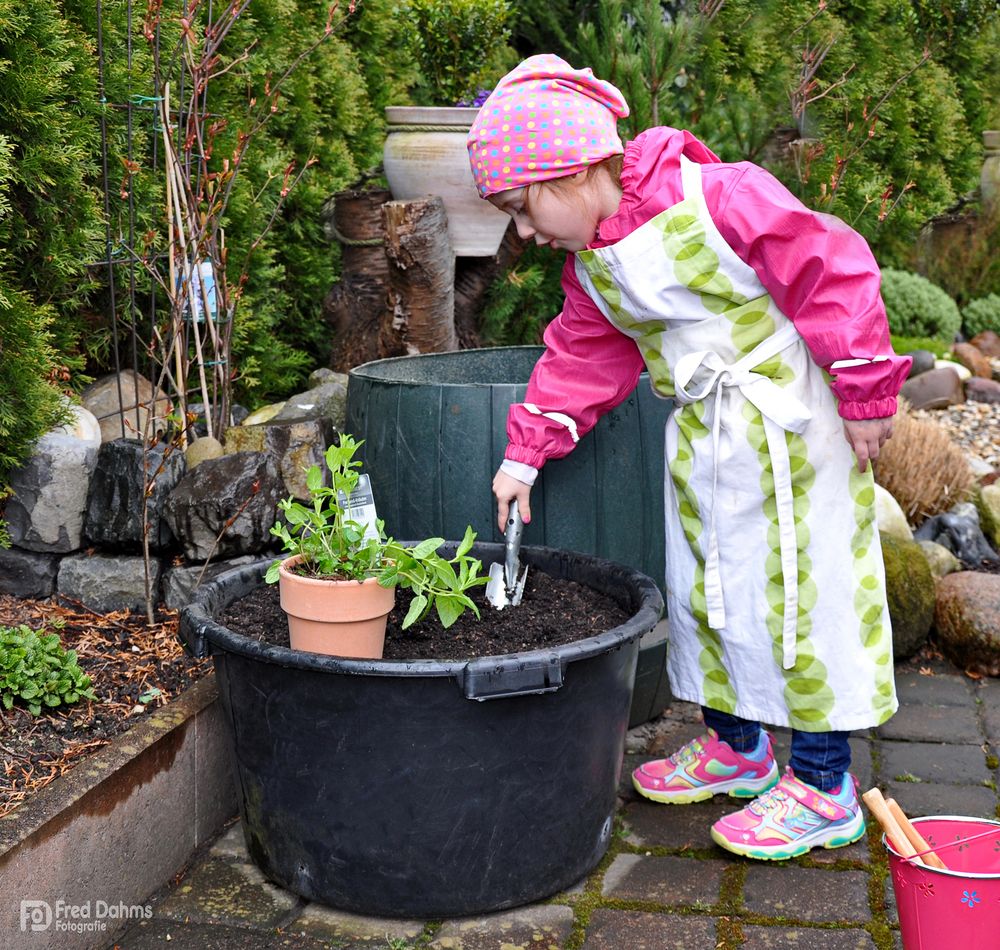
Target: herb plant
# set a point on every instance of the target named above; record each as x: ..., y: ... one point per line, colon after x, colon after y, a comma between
x: 332, y: 545
x: 36, y: 669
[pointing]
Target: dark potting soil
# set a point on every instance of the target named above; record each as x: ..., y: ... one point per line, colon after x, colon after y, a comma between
x: 552, y: 612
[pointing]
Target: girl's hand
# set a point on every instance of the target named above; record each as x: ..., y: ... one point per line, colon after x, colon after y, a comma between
x: 866, y: 437
x: 507, y: 488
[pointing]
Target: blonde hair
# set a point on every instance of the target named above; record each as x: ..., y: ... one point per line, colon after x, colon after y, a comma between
x: 610, y: 166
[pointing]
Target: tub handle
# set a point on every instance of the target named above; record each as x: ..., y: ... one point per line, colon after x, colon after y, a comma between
x: 490, y: 678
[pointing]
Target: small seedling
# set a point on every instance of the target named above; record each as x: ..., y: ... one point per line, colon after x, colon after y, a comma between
x: 38, y: 671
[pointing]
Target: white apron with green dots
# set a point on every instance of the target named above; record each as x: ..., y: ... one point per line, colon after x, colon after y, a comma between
x: 775, y: 585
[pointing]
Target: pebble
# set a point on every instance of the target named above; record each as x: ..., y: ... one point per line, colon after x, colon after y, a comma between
x: 973, y: 425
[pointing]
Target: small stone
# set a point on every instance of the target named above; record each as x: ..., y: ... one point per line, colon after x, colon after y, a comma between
x: 963, y: 372
x: 262, y: 415
x: 941, y: 561
x: 206, y: 447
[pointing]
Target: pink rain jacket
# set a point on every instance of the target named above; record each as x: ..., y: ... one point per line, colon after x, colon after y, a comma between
x: 819, y: 272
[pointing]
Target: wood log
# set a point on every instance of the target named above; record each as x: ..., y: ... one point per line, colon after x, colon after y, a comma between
x: 473, y: 278
x: 355, y: 307
x: 421, y: 281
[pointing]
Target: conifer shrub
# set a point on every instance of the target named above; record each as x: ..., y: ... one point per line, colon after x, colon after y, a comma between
x: 917, y: 308
x: 982, y: 314
x: 922, y: 468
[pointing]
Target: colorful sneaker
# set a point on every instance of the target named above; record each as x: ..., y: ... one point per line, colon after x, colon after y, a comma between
x: 707, y: 766
x: 791, y: 819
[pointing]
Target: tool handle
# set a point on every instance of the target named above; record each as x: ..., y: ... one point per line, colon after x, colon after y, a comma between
x: 512, y: 544
x: 916, y: 839
x: 877, y: 806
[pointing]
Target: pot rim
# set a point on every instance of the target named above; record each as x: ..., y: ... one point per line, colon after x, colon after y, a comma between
x: 292, y: 559
x: 204, y: 636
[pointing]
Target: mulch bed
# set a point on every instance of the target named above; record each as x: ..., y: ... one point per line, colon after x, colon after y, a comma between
x: 552, y: 612
x: 134, y: 666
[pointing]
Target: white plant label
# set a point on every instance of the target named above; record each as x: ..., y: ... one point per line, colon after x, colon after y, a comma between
x: 360, y: 507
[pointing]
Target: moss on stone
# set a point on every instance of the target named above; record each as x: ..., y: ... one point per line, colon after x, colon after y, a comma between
x: 910, y: 591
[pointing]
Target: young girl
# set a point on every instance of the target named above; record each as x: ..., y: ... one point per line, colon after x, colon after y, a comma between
x: 762, y: 320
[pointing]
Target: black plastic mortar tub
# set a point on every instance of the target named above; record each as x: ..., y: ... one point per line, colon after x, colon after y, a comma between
x: 429, y: 789
x: 434, y: 430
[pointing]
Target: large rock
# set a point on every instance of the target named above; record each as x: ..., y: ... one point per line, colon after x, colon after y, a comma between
x: 328, y: 402
x: 45, y: 512
x: 295, y: 446
x: 967, y: 620
x: 936, y: 389
x: 988, y: 343
x: 117, y: 489
x: 909, y: 586
x: 973, y: 359
x: 180, y: 583
x: 105, y: 582
x: 232, y: 499
x: 963, y: 372
x: 922, y: 362
x: 27, y: 573
x: 988, y: 506
x: 982, y: 390
x: 889, y: 516
x: 124, y: 414
x: 959, y: 531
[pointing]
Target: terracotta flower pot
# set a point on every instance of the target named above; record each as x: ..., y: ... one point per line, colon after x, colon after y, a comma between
x: 338, y: 618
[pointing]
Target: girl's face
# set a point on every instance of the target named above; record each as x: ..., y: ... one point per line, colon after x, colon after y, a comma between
x: 564, y: 216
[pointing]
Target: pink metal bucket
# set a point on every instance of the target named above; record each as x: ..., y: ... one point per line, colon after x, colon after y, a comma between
x: 959, y: 907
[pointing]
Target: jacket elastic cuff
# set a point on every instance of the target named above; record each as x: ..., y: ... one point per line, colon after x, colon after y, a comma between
x: 521, y: 453
x: 869, y: 409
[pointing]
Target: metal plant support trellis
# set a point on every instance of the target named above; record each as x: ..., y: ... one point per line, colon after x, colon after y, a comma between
x: 171, y: 310
x: 170, y: 313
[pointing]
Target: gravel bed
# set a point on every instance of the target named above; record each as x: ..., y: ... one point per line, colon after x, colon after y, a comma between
x: 973, y: 425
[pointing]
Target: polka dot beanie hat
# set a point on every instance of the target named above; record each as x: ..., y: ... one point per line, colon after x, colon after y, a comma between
x: 544, y: 120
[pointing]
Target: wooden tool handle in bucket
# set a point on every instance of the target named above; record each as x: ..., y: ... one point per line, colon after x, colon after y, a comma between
x: 905, y: 838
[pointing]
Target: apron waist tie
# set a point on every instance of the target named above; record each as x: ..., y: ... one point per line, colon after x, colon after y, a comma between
x: 781, y: 412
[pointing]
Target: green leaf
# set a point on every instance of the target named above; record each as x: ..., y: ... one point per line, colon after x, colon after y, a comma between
x: 448, y: 609
x: 271, y: 577
x: 417, y: 606
x: 467, y: 542
x: 426, y: 547
x: 314, y: 478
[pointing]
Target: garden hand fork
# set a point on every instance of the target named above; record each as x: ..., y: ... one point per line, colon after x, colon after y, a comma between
x: 504, y: 586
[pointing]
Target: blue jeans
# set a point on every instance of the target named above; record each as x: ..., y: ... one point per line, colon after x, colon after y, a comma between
x: 819, y: 758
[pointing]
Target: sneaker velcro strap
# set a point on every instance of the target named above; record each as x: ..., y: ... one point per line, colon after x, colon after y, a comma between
x: 815, y: 801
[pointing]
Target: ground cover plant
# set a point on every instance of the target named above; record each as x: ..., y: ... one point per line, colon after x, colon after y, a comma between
x: 134, y: 667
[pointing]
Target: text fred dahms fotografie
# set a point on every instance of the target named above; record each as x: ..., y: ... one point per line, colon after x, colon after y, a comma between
x: 85, y: 917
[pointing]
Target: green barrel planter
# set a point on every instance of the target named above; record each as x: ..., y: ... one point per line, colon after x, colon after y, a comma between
x: 434, y: 430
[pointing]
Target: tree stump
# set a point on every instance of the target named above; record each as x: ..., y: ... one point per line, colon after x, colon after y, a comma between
x: 355, y: 307
x: 421, y: 281
x: 473, y: 278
